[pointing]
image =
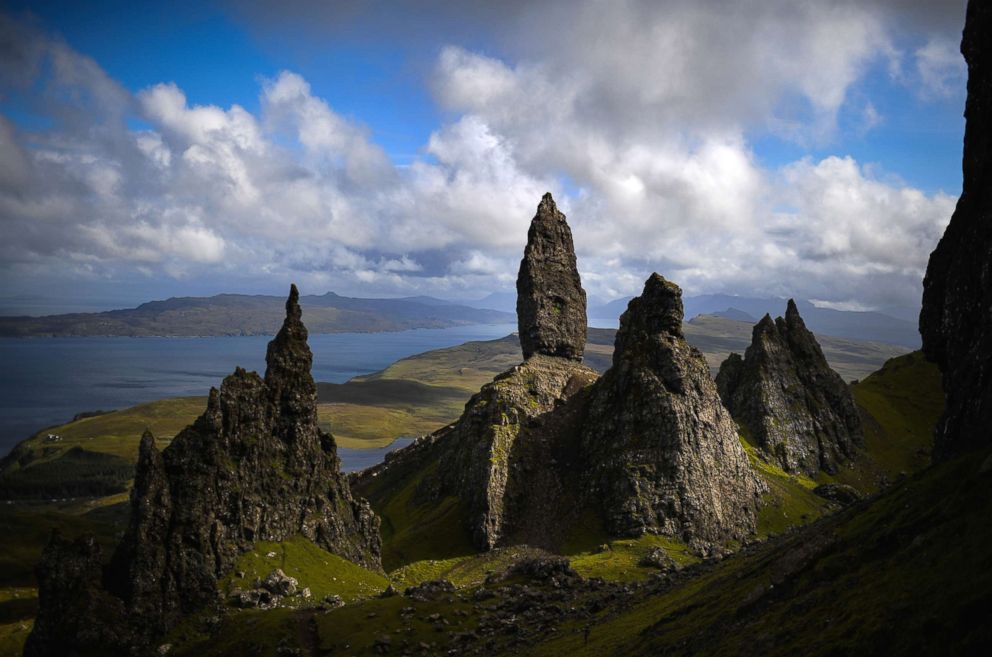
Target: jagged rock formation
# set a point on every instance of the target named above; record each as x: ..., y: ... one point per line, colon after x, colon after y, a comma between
x: 957, y: 291
x: 546, y: 446
x: 788, y: 401
x: 551, y: 304
x: 663, y: 454
x: 255, y: 466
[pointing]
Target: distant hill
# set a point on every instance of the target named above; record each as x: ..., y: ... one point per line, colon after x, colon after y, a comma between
x: 240, y: 314
x: 873, y: 326
x: 736, y: 315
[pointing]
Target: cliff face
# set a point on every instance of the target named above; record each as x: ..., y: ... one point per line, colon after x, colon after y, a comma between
x: 254, y: 466
x: 663, y: 454
x: 551, y: 304
x: 504, y: 459
x: 794, y: 408
x: 957, y: 291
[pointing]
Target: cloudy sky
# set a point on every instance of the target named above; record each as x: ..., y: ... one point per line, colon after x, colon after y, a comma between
x: 374, y: 148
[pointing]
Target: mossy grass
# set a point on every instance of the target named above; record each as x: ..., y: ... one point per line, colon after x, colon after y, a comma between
x: 322, y: 572
x: 868, y: 577
x: 415, y: 531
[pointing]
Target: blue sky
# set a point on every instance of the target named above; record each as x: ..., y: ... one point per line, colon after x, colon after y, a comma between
x: 400, y: 148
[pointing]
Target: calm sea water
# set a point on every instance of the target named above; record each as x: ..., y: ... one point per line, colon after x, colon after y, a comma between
x: 46, y: 381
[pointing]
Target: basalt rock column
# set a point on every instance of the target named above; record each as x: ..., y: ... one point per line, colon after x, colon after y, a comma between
x: 788, y: 401
x: 956, y: 319
x: 551, y: 304
x: 663, y: 453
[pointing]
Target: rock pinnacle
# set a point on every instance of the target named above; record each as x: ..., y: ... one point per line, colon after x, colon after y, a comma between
x: 551, y: 304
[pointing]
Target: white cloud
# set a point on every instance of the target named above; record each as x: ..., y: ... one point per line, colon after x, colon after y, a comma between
x: 637, y: 115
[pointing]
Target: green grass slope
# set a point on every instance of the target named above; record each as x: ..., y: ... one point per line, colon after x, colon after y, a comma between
x: 900, y: 404
x: 907, y: 573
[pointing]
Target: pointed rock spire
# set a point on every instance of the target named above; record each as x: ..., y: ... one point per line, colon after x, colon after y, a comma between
x: 664, y: 453
x: 254, y: 467
x: 658, y: 311
x: 288, y: 354
x: 783, y: 393
x: 551, y: 304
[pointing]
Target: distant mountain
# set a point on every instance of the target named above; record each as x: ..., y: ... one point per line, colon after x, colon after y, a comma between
x: 503, y: 301
x: 874, y: 326
x: 736, y: 315
x: 240, y: 314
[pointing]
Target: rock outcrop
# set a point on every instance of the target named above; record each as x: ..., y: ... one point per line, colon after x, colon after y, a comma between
x: 507, y: 455
x: 956, y: 319
x: 255, y: 466
x: 551, y: 304
x: 547, y: 447
x: 788, y: 401
x: 663, y: 454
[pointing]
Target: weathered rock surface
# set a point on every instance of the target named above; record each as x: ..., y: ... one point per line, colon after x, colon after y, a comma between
x: 789, y: 402
x: 663, y: 454
x: 546, y: 446
x: 255, y: 466
x: 551, y: 304
x: 506, y: 449
x: 76, y: 615
x: 956, y: 319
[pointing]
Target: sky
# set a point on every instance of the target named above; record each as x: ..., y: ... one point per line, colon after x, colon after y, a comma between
x: 374, y: 148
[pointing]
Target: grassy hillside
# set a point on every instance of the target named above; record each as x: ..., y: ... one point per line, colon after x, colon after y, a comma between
x: 905, y: 574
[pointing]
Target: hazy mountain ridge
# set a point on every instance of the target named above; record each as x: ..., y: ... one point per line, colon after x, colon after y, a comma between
x: 862, y: 325
x: 242, y: 314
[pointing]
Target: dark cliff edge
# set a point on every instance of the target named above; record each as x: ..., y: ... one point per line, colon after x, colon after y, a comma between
x: 255, y: 466
x: 957, y: 290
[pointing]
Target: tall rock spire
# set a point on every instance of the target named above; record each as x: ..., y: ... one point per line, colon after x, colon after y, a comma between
x: 956, y: 319
x: 663, y: 453
x: 789, y: 402
x: 551, y: 304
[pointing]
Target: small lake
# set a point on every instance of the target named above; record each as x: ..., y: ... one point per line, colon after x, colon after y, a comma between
x: 353, y: 460
x: 46, y: 381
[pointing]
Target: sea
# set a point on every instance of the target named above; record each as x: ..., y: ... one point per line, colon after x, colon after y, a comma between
x: 47, y: 381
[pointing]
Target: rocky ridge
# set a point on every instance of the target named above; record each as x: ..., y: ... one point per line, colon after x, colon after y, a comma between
x: 957, y: 289
x: 255, y: 466
x: 784, y: 395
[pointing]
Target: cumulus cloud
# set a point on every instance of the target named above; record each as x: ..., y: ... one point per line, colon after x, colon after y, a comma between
x: 639, y: 116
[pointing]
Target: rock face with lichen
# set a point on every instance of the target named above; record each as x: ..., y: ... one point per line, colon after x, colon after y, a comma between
x: 788, y: 401
x: 504, y: 463
x: 254, y: 467
x: 663, y: 454
x: 551, y: 304
x: 957, y: 291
